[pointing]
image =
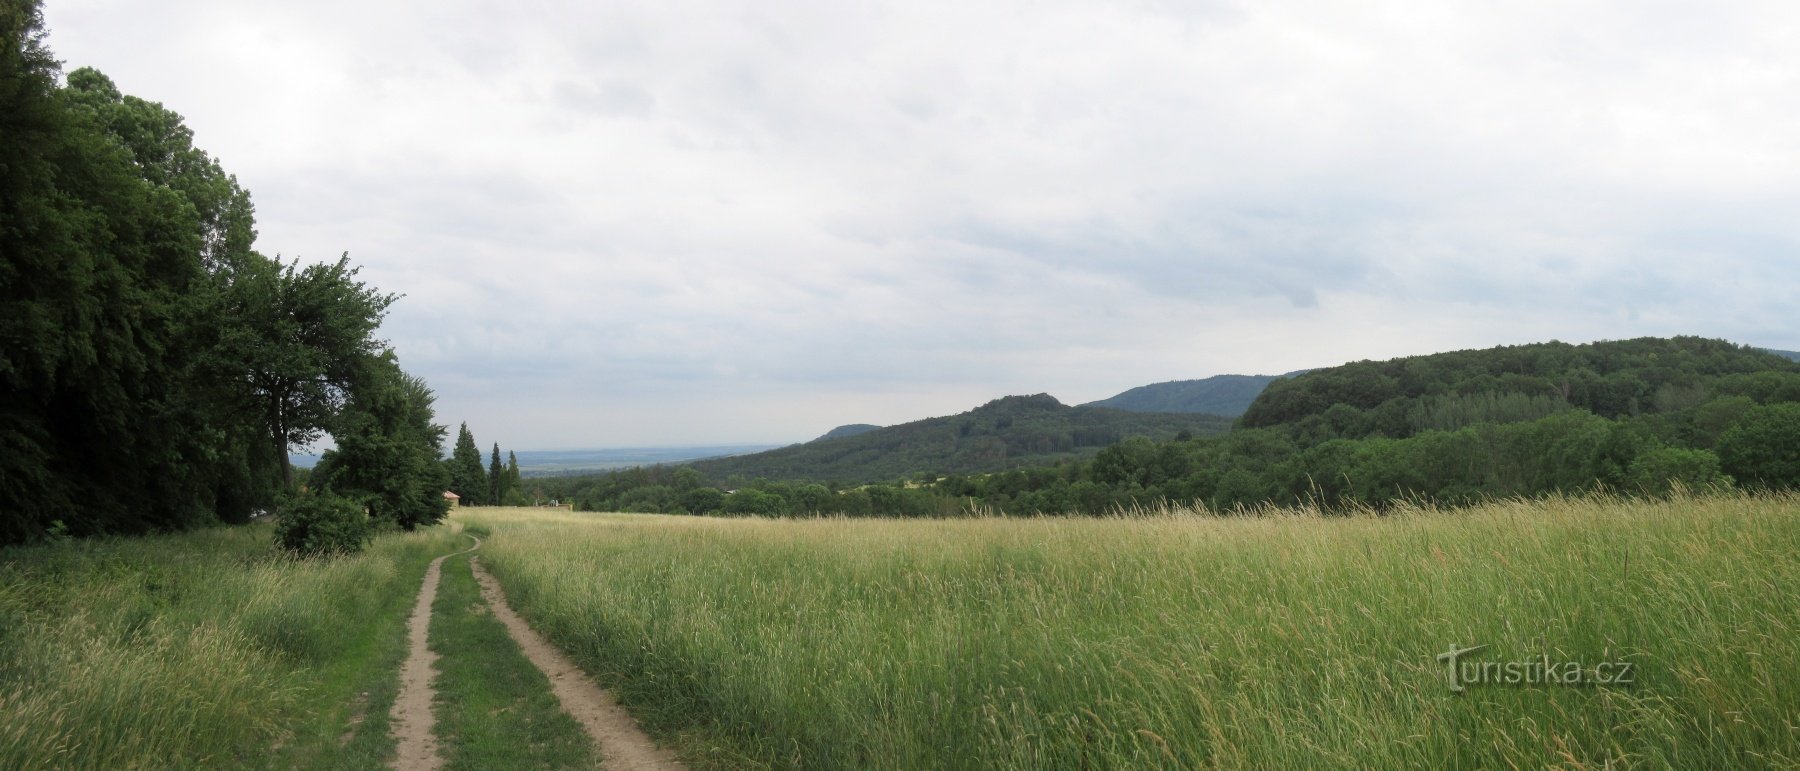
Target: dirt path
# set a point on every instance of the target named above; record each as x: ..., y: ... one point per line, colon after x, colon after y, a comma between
x: 412, y: 718
x: 623, y: 745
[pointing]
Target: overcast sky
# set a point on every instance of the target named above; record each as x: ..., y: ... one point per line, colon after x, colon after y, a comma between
x: 673, y: 222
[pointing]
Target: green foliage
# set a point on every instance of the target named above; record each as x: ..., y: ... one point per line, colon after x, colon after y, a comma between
x: 154, y: 370
x: 511, y: 485
x: 1667, y: 469
x: 1763, y: 447
x: 1011, y: 432
x: 1612, y: 379
x: 495, y: 473
x: 1451, y: 411
x: 322, y: 524
x: 387, y: 450
x: 466, y: 477
x: 1226, y: 395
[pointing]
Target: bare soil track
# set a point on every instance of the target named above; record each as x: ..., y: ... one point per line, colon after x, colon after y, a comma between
x: 623, y: 745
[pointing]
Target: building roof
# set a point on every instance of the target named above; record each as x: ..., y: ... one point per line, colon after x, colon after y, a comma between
x: 452, y: 496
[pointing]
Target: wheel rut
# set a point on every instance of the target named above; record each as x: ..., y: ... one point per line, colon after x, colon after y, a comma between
x: 622, y: 744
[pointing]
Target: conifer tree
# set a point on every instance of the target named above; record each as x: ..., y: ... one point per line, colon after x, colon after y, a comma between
x: 466, y: 479
x: 514, y: 487
x: 493, y: 477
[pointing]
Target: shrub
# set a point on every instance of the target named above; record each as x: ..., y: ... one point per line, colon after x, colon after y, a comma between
x: 1657, y: 471
x: 322, y: 524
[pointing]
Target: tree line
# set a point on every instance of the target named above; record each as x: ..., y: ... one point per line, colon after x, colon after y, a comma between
x: 155, y: 369
x: 499, y: 485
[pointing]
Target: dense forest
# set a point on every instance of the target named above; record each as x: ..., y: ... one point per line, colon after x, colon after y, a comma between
x: 1227, y: 395
x: 154, y: 368
x: 1636, y: 416
x: 1010, y: 432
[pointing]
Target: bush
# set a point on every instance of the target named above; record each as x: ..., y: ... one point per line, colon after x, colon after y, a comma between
x: 322, y: 524
x: 1657, y: 471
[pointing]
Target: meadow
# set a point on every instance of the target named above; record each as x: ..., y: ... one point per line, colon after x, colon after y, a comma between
x: 208, y: 649
x: 1176, y: 639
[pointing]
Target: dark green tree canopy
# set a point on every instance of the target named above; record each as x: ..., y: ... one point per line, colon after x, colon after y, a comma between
x: 466, y: 477
x: 154, y: 369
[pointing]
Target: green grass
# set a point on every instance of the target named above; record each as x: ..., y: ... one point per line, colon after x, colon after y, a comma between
x: 1284, y: 640
x: 494, y: 708
x: 202, y: 650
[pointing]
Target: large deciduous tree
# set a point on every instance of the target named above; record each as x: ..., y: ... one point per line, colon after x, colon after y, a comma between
x: 314, y: 330
x: 387, y: 449
x: 154, y: 369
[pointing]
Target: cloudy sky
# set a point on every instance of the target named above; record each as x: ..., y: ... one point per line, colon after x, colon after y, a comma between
x: 676, y: 221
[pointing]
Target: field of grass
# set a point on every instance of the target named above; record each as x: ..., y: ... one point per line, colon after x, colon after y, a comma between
x: 204, y: 649
x: 1284, y: 640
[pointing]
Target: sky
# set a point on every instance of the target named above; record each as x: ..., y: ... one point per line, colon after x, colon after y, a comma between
x: 686, y: 222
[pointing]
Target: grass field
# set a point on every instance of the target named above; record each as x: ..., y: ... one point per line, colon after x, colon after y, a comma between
x: 1285, y: 640
x: 1282, y: 640
x: 205, y: 649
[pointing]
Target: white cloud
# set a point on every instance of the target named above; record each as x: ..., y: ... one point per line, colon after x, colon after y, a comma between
x: 656, y: 222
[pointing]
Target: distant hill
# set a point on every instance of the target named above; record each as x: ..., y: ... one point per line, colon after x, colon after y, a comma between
x: 1612, y: 379
x: 850, y: 430
x: 1794, y: 355
x: 1005, y: 433
x: 1227, y: 395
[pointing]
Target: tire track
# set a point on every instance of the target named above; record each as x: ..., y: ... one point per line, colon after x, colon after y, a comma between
x: 416, y: 747
x: 623, y: 745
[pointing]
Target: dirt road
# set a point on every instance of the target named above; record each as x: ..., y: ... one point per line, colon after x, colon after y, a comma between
x: 623, y: 745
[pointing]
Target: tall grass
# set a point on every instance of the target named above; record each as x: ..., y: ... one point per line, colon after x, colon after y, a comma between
x: 194, y: 650
x: 1281, y: 640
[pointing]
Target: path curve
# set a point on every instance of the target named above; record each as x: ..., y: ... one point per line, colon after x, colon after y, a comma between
x: 623, y: 745
x: 412, y: 718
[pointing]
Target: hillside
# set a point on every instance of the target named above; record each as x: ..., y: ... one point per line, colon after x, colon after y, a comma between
x: 1612, y: 379
x: 850, y: 430
x: 1794, y: 355
x: 1227, y: 395
x: 1638, y: 416
x: 1005, y: 433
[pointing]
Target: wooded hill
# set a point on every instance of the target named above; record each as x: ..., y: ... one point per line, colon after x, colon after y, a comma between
x: 1634, y: 416
x: 1227, y: 395
x: 848, y: 430
x: 1005, y: 433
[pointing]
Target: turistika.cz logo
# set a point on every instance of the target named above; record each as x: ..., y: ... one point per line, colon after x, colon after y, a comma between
x: 1462, y: 672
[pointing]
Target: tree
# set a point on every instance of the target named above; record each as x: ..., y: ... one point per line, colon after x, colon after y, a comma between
x: 387, y: 453
x: 154, y: 369
x: 466, y: 479
x: 496, y: 473
x: 1763, y: 447
x: 511, y: 483
x: 318, y: 325
x: 96, y: 265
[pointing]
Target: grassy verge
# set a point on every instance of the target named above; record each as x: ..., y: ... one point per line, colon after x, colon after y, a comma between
x: 494, y: 709
x: 1286, y: 640
x: 204, y: 649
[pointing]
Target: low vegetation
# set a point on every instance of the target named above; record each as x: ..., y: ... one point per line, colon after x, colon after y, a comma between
x: 209, y: 649
x: 1281, y: 640
x: 502, y: 713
